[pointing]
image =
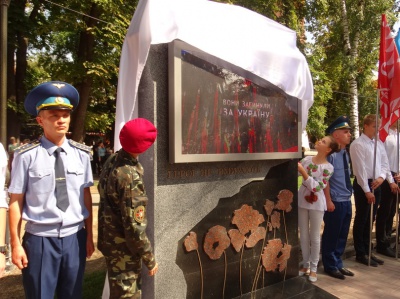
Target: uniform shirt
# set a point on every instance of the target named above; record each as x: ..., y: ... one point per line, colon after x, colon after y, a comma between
x: 33, y: 175
x: 122, y: 215
x: 392, y: 150
x: 337, y: 182
x: 319, y: 175
x: 362, y: 157
x: 3, y: 172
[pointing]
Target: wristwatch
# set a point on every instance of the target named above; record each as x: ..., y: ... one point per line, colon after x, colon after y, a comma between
x: 4, y: 249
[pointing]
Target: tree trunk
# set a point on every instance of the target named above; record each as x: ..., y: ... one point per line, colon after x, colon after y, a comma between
x: 85, y: 54
x: 351, y: 50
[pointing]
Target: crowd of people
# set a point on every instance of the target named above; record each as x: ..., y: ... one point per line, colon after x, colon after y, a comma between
x: 325, y: 195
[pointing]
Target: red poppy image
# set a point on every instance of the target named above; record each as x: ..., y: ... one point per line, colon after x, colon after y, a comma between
x: 285, y: 198
x: 275, y: 254
x: 276, y: 219
x: 247, y: 219
x: 269, y: 206
x: 237, y: 239
x: 190, y: 242
x: 216, y: 241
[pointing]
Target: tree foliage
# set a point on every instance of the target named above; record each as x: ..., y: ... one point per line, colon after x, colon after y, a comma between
x: 74, y: 41
x: 80, y: 42
x: 346, y: 53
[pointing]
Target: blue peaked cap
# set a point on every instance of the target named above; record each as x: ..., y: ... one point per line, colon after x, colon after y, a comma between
x: 51, y: 95
x: 342, y: 122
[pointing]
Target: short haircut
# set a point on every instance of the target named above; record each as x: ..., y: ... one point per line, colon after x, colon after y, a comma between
x: 369, y: 119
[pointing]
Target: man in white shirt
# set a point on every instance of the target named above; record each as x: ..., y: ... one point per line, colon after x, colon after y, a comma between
x: 366, y: 186
x: 386, y: 209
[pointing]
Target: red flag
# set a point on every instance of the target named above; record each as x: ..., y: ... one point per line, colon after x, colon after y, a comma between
x: 388, y: 80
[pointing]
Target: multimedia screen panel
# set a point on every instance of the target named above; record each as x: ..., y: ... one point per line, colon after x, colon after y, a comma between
x: 220, y: 112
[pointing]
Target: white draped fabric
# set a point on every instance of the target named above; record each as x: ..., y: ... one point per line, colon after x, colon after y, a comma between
x: 232, y: 33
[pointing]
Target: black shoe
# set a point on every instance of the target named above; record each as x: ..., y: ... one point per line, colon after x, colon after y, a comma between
x: 364, y: 260
x: 346, y: 272
x: 335, y: 274
x: 387, y: 251
x: 374, y: 258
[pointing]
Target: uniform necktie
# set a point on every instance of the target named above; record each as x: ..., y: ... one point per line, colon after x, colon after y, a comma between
x: 346, y: 172
x: 61, y: 184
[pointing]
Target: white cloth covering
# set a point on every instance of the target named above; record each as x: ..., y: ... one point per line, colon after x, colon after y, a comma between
x: 232, y: 33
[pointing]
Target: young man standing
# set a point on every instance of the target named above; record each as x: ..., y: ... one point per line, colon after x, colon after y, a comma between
x: 367, y: 186
x: 49, y: 189
x: 338, y: 193
x: 122, y: 212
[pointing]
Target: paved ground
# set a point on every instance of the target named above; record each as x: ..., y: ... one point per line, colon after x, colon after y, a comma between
x: 368, y: 282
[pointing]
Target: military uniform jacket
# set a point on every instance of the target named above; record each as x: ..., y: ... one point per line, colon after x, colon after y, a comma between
x: 33, y: 175
x: 122, y: 213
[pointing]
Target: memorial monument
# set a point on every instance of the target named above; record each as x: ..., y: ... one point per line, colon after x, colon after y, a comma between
x: 222, y: 175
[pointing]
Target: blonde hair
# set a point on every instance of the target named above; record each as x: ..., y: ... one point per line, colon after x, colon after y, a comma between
x: 369, y: 119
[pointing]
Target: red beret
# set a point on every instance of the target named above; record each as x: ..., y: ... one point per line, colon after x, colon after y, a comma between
x: 137, y: 135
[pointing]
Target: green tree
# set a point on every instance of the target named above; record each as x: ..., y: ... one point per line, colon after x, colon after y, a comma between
x: 346, y: 34
x: 74, y: 41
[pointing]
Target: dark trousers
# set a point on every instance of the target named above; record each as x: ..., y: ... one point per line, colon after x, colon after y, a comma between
x: 55, y: 266
x: 334, y: 237
x: 361, y: 226
x: 382, y: 216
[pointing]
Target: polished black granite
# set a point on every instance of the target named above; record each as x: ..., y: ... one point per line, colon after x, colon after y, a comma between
x: 296, y: 288
x: 254, y: 194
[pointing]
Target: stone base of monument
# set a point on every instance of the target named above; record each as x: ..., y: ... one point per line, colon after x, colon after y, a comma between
x: 220, y: 229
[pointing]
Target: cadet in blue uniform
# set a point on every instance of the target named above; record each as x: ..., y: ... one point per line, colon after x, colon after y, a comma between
x: 337, y: 218
x: 50, y: 190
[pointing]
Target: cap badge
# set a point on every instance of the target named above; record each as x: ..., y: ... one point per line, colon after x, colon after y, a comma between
x: 58, y: 85
x: 59, y: 100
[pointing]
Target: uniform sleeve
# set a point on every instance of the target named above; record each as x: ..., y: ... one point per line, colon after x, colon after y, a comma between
x: 318, y: 182
x: 19, y: 175
x: 134, y: 219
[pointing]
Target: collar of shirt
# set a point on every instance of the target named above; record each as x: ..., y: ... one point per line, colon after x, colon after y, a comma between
x: 366, y: 139
x: 51, y: 147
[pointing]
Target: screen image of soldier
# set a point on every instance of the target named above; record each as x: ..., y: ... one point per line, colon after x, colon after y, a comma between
x: 50, y: 190
x: 122, y: 217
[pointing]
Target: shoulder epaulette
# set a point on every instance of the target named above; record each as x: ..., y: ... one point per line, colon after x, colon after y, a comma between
x: 80, y: 146
x: 26, y: 147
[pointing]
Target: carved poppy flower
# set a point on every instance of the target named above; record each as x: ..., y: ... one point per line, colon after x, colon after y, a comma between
x: 256, y: 235
x: 247, y: 219
x: 270, y: 259
x: 216, y: 241
x: 237, y: 239
x: 276, y: 219
x: 285, y: 199
x: 270, y: 253
x: 282, y: 260
x: 269, y: 206
x: 190, y: 242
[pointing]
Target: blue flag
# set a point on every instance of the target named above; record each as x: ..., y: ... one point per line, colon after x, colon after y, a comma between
x: 397, y: 41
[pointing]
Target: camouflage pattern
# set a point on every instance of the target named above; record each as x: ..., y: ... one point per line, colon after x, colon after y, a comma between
x: 121, y: 238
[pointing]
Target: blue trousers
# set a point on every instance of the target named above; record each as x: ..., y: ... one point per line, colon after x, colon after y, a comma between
x: 334, y: 237
x: 55, y: 266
